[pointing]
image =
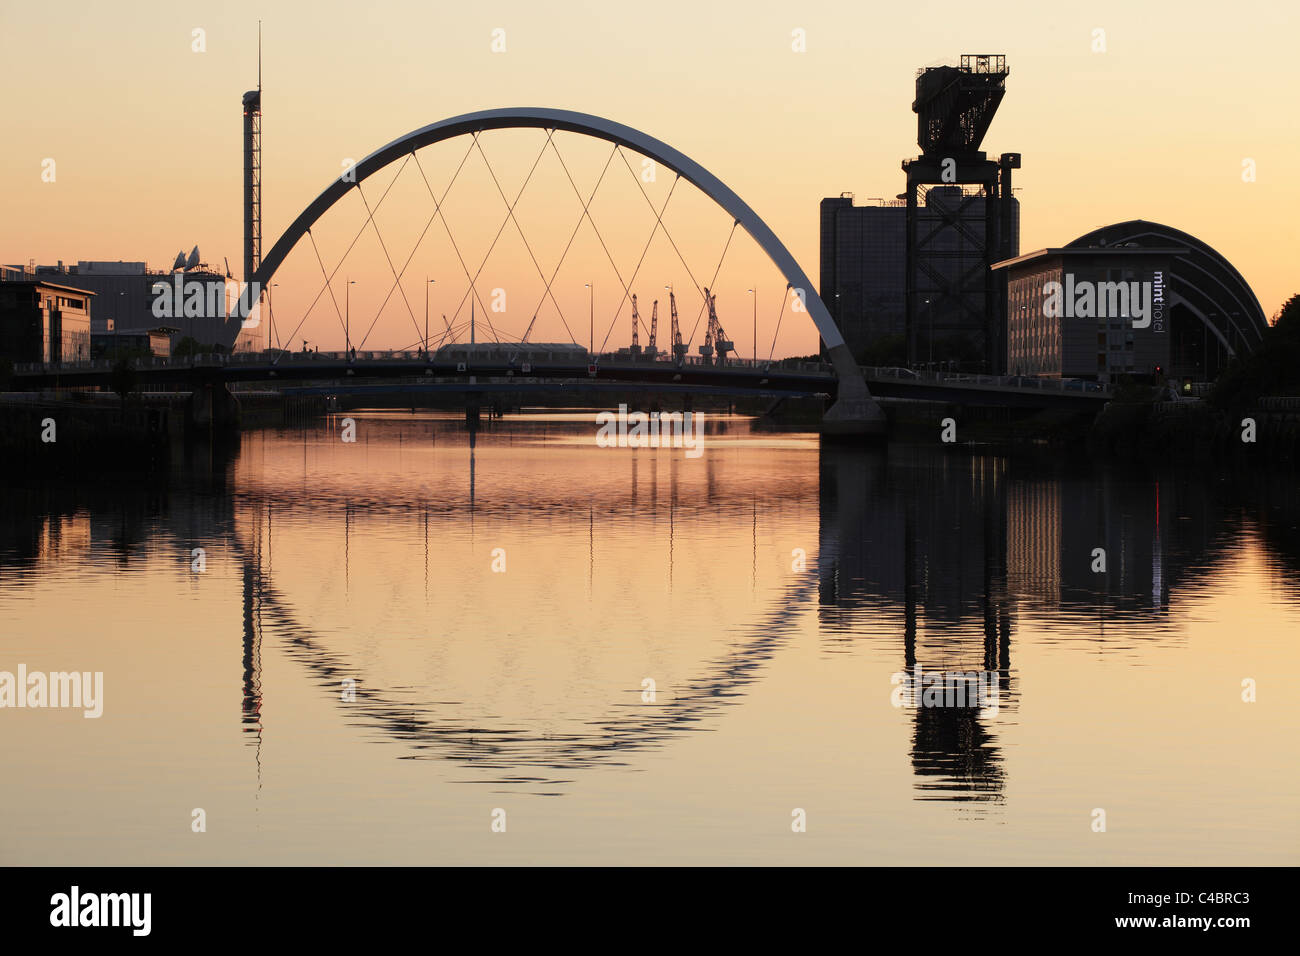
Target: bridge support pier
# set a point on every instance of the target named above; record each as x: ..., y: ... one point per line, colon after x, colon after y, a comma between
x: 213, y: 406
x: 855, y: 413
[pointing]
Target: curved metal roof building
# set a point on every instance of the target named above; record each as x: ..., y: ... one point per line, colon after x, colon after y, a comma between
x: 1207, y: 284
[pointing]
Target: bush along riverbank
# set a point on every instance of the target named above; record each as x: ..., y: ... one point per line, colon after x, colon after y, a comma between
x: 1199, y: 432
x: 1253, y: 411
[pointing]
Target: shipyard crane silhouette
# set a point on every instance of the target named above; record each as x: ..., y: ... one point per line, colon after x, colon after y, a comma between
x: 636, y: 321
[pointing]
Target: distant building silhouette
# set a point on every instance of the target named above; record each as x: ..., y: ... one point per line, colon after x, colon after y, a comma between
x: 864, y: 272
x: 44, y: 322
x: 126, y: 293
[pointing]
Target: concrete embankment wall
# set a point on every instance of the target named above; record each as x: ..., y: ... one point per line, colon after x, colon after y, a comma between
x: 48, y: 433
x: 1198, y: 432
x: 1185, y: 431
x: 911, y: 420
x: 261, y: 408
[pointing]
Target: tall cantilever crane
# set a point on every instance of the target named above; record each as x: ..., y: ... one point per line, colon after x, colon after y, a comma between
x: 706, y: 350
x: 711, y: 328
x: 714, y: 336
x: 636, y: 321
x: 719, y: 336
x: 679, y: 350
x: 652, y: 350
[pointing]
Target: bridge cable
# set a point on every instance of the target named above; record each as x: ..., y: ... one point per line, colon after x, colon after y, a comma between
x: 389, y: 259
x: 321, y: 263
x: 438, y: 210
x: 487, y: 314
x: 414, y: 249
x: 330, y: 277
x: 573, y: 235
x: 645, y: 249
x: 452, y: 239
x: 777, y: 330
x: 510, y: 217
x: 270, y: 311
x: 510, y: 209
x: 669, y: 235
x: 599, y: 237
x: 730, y: 235
x: 314, y: 301
x: 507, y: 340
x: 658, y: 218
x: 685, y: 265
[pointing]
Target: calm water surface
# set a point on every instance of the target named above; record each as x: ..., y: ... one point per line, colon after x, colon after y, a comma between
x: 500, y: 607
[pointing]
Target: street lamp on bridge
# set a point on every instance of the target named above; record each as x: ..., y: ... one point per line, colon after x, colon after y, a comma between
x: 347, y: 319
x: 591, y: 303
x: 754, y: 293
x: 426, y: 316
x: 270, y: 313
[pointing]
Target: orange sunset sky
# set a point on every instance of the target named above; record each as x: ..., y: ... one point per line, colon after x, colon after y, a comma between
x: 145, y: 133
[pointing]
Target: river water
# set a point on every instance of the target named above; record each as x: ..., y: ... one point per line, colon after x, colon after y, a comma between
x: 427, y: 647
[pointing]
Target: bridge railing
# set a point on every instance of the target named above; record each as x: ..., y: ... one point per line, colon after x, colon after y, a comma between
x: 97, y: 364
x: 61, y: 366
x: 529, y: 355
x: 532, y: 355
x: 1036, y: 383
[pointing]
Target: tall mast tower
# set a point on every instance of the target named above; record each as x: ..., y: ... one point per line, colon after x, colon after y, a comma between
x: 253, y: 171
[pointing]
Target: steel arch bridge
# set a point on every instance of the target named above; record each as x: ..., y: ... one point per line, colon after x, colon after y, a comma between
x: 855, y: 411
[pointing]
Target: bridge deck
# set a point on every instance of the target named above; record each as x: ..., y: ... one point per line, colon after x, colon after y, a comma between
x: 334, y: 372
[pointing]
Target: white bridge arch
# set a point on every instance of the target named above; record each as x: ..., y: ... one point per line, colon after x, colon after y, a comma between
x: 854, y: 412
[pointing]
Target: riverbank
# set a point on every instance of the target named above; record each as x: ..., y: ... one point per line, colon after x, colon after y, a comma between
x: 97, y: 432
x: 1197, y: 432
x: 84, y: 433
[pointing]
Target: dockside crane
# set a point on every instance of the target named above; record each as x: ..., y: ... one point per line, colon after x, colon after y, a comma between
x: 679, y: 349
x: 706, y: 350
x: 652, y: 350
x: 636, y: 321
x: 715, y: 338
x: 723, y: 344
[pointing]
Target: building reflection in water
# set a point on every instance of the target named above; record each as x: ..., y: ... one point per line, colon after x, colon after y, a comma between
x: 957, y: 548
